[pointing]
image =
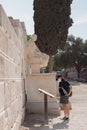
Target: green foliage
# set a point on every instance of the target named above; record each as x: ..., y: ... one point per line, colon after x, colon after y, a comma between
x: 28, y: 37
x: 75, y: 55
x: 44, y: 69
x: 52, y: 21
x: 79, y: 53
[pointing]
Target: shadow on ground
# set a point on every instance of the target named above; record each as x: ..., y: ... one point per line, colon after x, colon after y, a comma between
x: 37, y: 122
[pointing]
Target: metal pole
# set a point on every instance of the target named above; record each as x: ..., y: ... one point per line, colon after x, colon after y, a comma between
x: 45, y: 107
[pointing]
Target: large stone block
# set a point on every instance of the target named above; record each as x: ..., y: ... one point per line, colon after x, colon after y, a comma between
x: 2, y: 64
x: 2, y: 119
x: 7, y: 120
x: 3, y: 41
x: 44, y: 81
x: 13, y: 90
x: 9, y: 68
x: 14, y: 113
x: 4, y: 22
x: 7, y: 94
x: 2, y: 96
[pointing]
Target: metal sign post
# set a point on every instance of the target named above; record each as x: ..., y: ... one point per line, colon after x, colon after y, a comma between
x: 46, y: 101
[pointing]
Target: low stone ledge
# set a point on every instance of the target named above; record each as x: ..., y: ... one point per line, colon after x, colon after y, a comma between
x: 77, y: 79
x: 24, y: 128
x: 81, y: 80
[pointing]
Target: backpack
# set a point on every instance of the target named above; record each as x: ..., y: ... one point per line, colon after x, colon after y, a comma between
x: 70, y: 94
x: 71, y: 91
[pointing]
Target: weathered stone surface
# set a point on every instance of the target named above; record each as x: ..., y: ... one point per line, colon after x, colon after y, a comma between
x: 35, y: 58
x: 43, y: 81
x: 7, y: 95
x: 12, y: 91
x: 1, y: 67
x: 35, y: 99
x: 1, y: 96
x: 2, y: 119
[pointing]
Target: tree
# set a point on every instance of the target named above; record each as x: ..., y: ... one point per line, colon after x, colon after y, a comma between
x: 57, y: 63
x: 75, y: 55
x: 52, y: 20
x: 79, y: 57
x: 63, y: 60
x: 85, y: 47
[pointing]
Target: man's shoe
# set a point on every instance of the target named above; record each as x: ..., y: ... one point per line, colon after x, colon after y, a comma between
x: 63, y: 118
x: 66, y: 119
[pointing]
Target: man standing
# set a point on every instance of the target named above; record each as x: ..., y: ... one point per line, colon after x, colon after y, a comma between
x: 65, y: 90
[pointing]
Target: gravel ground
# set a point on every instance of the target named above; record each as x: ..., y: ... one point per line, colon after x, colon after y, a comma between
x: 78, y: 114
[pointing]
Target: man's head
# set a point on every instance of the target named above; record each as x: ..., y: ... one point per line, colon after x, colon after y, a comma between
x: 61, y: 76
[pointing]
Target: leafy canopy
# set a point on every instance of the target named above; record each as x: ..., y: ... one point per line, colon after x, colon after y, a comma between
x: 52, y: 20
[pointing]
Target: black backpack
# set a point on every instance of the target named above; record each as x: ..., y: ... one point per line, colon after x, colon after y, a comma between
x: 71, y: 92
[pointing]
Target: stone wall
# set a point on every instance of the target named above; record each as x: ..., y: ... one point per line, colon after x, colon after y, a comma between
x: 12, y: 72
x: 35, y: 99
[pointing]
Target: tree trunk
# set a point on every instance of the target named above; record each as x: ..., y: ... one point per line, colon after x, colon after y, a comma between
x: 78, y: 68
x: 50, y: 64
x: 79, y: 74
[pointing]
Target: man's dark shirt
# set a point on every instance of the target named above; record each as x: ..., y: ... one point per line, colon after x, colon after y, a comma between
x: 65, y: 85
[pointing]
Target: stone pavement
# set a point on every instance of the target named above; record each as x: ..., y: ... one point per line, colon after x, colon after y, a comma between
x: 78, y: 114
